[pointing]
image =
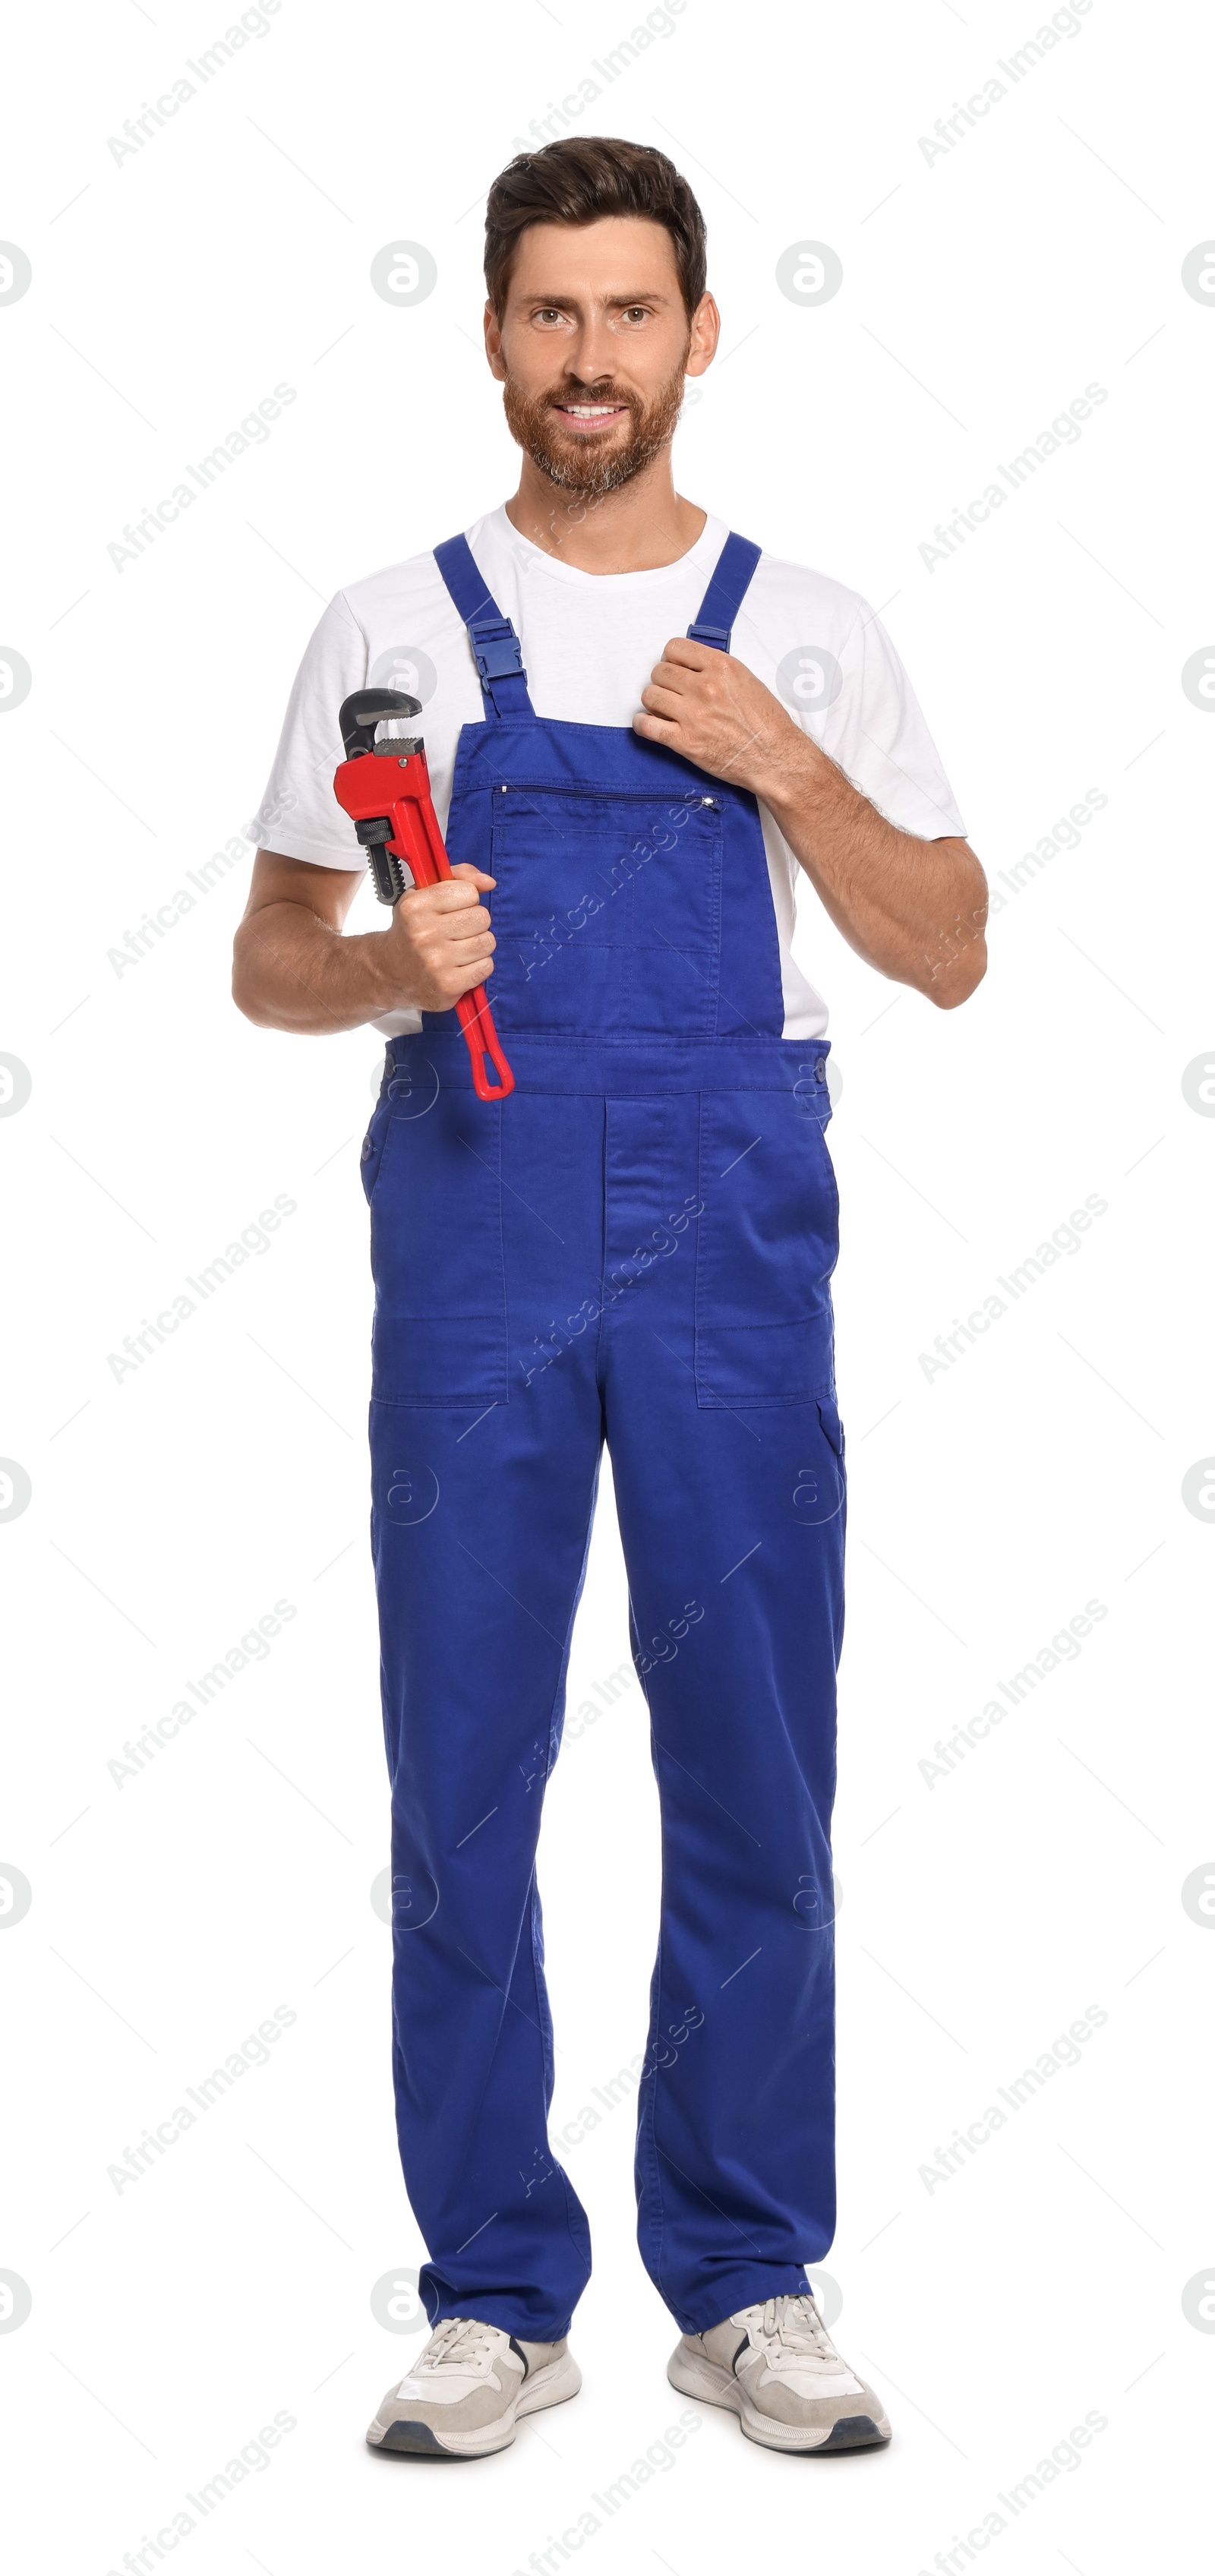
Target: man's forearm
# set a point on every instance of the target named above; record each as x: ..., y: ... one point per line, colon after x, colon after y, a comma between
x: 292, y: 971
x: 914, y: 909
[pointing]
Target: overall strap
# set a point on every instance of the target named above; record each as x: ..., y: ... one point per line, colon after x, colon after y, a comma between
x: 724, y: 596
x: 496, y: 649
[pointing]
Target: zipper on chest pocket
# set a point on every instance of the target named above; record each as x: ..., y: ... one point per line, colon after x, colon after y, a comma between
x: 625, y: 796
x: 629, y: 801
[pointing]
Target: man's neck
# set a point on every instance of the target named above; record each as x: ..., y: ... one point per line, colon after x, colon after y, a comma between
x: 638, y: 529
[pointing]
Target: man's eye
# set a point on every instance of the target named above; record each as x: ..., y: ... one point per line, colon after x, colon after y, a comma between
x: 636, y: 312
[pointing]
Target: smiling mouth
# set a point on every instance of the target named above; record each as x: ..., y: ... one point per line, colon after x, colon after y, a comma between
x: 587, y: 416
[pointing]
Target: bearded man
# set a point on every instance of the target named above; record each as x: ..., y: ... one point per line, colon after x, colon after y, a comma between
x: 643, y: 735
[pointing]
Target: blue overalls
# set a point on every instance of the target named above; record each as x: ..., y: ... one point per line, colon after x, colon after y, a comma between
x: 636, y: 1246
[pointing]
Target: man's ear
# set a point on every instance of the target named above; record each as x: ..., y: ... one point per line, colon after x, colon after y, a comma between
x: 704, y: 332
x: 493, y: 343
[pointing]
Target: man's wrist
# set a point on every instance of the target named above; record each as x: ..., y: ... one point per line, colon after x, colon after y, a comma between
x: 795, y: 777
x: 380, y: 973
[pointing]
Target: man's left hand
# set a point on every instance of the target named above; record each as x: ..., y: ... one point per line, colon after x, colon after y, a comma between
x: 715, y: 712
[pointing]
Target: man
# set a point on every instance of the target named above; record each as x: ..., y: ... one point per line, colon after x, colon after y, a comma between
x: 635, y: 1246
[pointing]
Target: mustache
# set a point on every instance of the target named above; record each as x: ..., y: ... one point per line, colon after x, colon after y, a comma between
x: 573, y: 392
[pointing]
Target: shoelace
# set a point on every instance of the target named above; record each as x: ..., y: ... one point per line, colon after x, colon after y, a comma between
x: 794, y: 2326
x: 459, y: 2342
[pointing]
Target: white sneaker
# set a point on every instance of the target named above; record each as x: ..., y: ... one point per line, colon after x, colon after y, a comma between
x: 776, y: 2367
x: 466, y: 2389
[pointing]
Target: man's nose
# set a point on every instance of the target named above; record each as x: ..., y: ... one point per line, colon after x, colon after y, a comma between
x: 591, y: 357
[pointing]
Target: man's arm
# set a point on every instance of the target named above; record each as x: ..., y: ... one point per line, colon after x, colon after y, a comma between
x: 293, y: 969
x: 915, y: 909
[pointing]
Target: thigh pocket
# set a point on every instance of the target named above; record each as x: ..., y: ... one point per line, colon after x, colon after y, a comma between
x: 439, y: 1335
x: 767, y: 1241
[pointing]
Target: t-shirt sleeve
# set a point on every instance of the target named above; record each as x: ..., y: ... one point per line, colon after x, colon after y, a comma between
x: 876, y: 733
x: 299, y: 814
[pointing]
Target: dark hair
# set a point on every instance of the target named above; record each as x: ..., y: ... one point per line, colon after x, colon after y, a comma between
x: 577, y: 181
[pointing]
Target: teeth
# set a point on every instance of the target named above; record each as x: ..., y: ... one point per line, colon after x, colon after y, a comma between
x: 590, y: 411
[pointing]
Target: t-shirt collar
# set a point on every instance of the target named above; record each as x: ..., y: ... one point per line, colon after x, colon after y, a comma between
x: 533, y: 559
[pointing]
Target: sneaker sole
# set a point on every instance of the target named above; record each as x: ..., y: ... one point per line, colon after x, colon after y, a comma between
x: 720, y: 2388
x: 410, y: 2437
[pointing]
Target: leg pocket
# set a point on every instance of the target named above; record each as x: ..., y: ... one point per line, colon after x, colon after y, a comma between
x: 767, y: 1243
x: 439, y: 1336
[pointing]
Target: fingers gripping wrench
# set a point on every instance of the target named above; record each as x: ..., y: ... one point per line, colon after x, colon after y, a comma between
x: 384, y: 786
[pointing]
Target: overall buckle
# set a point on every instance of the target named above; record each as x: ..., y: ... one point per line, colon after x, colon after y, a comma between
x: 496, y: 648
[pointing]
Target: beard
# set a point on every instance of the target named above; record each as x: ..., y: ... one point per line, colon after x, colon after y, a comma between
x: 577, y: 463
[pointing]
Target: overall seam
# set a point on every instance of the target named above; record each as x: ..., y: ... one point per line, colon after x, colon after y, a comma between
x: 648, y: 2121
x: 603, y: 1255
x: 578, y: 2244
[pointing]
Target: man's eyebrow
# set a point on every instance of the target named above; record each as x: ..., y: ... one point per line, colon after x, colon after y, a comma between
x: 641, y: 295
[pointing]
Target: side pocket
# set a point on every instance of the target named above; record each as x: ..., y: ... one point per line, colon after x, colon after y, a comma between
x: 767, y: 1244
x: 828, y: 1414
x: 374, y: 1143
x: 820, y: 1123
x: 439, y: 1336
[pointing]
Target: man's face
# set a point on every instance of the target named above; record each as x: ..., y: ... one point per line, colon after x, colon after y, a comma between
x: 593, y: 347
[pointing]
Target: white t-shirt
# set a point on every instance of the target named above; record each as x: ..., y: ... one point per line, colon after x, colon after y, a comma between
x: 590, y: 642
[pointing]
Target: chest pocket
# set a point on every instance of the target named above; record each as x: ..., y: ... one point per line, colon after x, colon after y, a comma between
x: 607, y: 912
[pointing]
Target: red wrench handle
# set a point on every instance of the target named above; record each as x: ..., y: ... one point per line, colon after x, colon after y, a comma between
x: 481, y: 1038
x: 417, y: 839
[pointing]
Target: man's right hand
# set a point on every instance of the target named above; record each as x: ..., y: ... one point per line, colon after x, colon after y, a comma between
x: 293, y: 969
x: 440, y: 942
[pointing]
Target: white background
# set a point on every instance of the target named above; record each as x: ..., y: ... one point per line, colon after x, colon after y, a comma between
x: 981, y: 1914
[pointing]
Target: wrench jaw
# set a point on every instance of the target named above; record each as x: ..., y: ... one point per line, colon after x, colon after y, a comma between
x: 360, y: 717
x: 374, y: 724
